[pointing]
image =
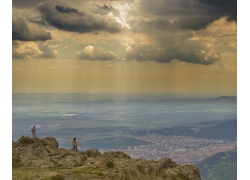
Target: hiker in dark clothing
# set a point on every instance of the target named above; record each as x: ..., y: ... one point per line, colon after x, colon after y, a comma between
x: 33, y: 130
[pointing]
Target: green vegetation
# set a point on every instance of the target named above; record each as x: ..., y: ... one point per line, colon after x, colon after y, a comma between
x: 110, y: 164
x: 220, y: 166
x: 26, y: 140
x: 113, y: 169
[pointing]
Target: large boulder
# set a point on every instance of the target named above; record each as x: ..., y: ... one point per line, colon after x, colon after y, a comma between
x: 49, y: 141
x: 44, y: 152
x: 92, y: 153
x: 67, y: 158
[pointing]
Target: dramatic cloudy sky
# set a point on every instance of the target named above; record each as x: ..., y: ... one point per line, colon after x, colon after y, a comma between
x: 172, y: 47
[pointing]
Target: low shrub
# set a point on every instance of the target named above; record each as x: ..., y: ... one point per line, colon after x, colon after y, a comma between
x: 26, y: 140
x: 57, y: 177
x: 16, y: 161
x: 110, y: 164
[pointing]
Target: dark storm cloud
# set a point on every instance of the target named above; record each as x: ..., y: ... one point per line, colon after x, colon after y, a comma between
x: 105, y: 9
x: 26, y: 3
x: 194, y: 23
x: 185, y: 14
x: 179, y: 23
x: 223, y: 7
x: 62, y: 9
x: 21, y: 31
x: 69, y: 19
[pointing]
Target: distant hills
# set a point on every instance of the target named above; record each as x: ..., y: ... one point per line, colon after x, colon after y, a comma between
x: 114, y: 142
x: 226, y: 130
x: 220, y: 166
x: 227, y: 97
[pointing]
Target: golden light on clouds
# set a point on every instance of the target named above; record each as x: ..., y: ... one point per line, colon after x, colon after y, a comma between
x: 124, y: 48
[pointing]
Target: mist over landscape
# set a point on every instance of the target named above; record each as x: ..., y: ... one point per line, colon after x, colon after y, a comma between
x: 148, y: 126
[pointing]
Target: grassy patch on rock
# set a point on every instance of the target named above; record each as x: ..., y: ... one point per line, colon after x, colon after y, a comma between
x: 57, y: 177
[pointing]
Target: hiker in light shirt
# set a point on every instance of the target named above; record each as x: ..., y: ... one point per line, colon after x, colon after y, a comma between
x: 74, y: 144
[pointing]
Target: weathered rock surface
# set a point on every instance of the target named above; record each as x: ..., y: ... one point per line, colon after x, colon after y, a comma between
x: 44, y: 154
x: 117, y: 154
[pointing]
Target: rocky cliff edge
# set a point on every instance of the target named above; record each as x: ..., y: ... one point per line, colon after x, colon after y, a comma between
x: 43, y: 159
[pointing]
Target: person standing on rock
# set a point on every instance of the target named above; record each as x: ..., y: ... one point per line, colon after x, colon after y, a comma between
x: 74, y: 144
x: 33, y: 130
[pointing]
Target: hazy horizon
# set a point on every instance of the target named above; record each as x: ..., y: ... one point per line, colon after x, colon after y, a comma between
x: 127, y: 96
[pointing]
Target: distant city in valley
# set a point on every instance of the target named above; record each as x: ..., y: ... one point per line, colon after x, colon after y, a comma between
x: 181, y: 149
x: 185, y: 130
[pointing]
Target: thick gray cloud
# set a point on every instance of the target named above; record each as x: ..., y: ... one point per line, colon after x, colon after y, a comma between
x: 24, y: 4
x: 104, y: 9
x: 167, y: 47
x: 170, y: 7
x: 194, y: 23
x: 62, y: 9
x: 41, y: 22
x: 69, y: 19
x: 96, y: 53
x: 21, y: 31
x: 223, y: 8
x: 166, y: 55
x: 169, y: 23
x: 32, y: 4
x: 183, y: 14
x: 157, y: 30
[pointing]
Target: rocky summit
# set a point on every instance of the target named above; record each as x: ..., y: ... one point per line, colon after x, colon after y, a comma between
x: 42, y: 159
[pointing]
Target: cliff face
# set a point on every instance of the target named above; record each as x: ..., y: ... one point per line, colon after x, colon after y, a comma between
x: 42, y: 159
